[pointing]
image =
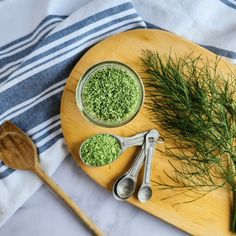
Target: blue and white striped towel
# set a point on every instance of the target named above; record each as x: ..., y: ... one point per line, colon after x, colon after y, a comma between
x: 40, y: 41
x: 33, y: 73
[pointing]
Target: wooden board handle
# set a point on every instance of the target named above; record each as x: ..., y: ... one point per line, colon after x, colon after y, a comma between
x: 66, y: 199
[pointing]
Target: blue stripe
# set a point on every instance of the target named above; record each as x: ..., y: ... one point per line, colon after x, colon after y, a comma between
x: 229, y: 4
x: 67, y: 43
x: 87, y: 21
x: 32, y: 117
x: 6, y: 173
x: 45, y: 127
x: 35, y: 36
x: 151, y: 26
x: 218, y: 51
x: 1, y: 163
x: 50, y: 90
x: 30, y: 34
x: 15, y: 89
x: 7, y: 75
x: 82, y: 24
x: 50, y: 143
x: 21, y: 54
x: 47, y: 133
x: 8, y: 68
x: 40, y: 81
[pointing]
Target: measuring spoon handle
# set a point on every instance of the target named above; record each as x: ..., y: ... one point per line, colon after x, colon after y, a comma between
x: 137, y: 164
x: 148, y: 167
x: 66, y: 199
x: 150, y: 144
x: 136, y: 140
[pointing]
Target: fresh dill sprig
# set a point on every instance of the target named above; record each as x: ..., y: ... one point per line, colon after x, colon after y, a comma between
x: 196, y: 106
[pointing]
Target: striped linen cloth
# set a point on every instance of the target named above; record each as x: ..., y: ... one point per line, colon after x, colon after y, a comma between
x: 41, y: 42
x: 33, y: 72
x: 209, y: 23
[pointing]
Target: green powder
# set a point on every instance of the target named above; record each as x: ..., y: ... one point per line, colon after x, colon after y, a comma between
x: 100, y: 150
x: 112, y: 94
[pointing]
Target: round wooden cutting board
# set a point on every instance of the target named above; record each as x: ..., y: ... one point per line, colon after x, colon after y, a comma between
x: 209, y: 215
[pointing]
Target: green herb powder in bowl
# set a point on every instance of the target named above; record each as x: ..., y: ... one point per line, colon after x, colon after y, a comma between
x: 100, y: 150
x: 110, y: 94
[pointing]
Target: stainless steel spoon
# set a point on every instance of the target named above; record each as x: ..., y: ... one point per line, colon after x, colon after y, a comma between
x: 145, y: 191
x: 125, y: 142
x: 125, y: 186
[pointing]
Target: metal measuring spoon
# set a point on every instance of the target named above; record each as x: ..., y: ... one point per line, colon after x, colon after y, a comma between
x: 125, y: 142
x: 124, y: 187
x: 145, y: 191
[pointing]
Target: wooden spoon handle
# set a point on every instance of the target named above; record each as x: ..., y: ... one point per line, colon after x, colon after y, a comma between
x: 66, y: 199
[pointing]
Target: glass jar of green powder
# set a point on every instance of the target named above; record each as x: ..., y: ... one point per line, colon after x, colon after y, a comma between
x: 110, y: 94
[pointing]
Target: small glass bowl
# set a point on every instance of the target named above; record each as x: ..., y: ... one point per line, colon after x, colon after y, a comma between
x: 82, y: 82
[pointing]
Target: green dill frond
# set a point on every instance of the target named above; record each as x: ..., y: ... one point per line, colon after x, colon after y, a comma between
x: 195, y: 104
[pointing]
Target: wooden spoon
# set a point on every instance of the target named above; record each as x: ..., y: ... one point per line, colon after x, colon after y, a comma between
x: 18, y: 151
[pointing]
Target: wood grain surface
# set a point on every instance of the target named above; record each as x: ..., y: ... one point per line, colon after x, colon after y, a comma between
x: 18, y: 151
x: 209, y: 215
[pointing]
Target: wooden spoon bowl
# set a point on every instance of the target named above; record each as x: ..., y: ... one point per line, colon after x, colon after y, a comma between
x: 18, y: 151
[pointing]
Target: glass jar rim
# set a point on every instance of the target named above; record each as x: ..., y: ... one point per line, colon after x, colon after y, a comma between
x: 79, y: 91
